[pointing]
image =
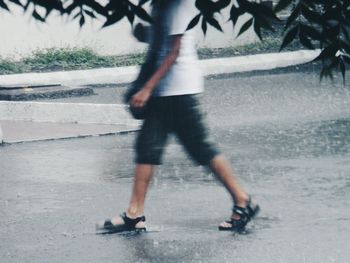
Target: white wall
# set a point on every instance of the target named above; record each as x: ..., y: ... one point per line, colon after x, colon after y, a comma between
x: 21, y: 34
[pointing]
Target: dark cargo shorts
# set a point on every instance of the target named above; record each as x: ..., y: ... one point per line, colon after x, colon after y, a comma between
x: 179, y: 115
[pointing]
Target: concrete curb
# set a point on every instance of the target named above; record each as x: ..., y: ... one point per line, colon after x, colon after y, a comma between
x: 74, y: 77
x: 31, y: 93
x: 122, y: 75
x: 84, y: 113
x: 257, y: 62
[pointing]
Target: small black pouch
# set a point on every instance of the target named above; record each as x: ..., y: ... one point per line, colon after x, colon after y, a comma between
x: 146, y: 72
x: 137, y: 113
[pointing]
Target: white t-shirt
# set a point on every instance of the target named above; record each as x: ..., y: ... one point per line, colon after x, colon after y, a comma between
x: 184, y: 77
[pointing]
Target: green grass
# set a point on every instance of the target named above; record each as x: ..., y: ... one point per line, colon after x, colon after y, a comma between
x: 270, y: 44
x: 10, y: 67
x: 76, y: 58
x: 57, y: 59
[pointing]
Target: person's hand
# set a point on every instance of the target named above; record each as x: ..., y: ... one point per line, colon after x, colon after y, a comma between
x: 140, y: 32
x: 140, y: 98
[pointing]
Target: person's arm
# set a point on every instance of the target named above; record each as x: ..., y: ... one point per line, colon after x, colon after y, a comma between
x: 142, y: 96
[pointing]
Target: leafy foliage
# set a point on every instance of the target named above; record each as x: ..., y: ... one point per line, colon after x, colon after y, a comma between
x: 323, y: 24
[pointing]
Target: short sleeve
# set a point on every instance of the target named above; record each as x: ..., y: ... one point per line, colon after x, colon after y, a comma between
x: 182, y: 13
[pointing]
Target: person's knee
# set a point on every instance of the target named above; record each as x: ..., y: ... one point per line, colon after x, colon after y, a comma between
x: 149, y: 157
x: 149, y: 150
x: 203, y: 154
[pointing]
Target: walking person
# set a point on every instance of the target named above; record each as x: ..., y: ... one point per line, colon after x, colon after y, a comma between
x: 167, y: 89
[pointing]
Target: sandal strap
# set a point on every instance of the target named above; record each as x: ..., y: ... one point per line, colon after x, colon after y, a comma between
x: 245, y: 215
x: 252, y: 211
x: 238, y: 224
x: 247, y: 211
x: 132, y: 222
x: 242, y: 211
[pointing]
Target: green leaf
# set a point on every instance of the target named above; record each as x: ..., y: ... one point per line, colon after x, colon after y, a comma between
x: 311, y: 15
x: 310, y: 32
x: 36, y: 15
x: 213, y: 22
x: 305, y: 41
x: 4, y: 6
x: 207, y: 7
x: 289, y: 37
x: 193, y: 22
x: 282, y: 4
x: 71, y: 7
x: 327, y: 70
x: 25, y: 7
x: 142, y: 2
x: 76, y: 15
x: 331, y: 32
x: 141, y: 13
x: 204, y: 26
x: 234, y: 14
x: 245, y: 5
x: 82, y: 20
x: 265, y: 11
x: 89, y: 13
x: 259, y: 11
x: 326, y: 73
x: 327, y: 53
x: 264, y: 23
x: 114, y: 18
x: 95, y: 6
x: 17, y: 2
x: 293, y: 16
x: 245, y: 27
x: 131, y: 17
x: 221, y: 4
x: 257, y: 29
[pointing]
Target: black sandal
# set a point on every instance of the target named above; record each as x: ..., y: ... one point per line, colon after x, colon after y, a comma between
x: 246, y: 214
x: 129, y: 224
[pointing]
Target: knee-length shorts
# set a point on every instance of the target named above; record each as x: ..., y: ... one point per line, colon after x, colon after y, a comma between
x: 180, y: 115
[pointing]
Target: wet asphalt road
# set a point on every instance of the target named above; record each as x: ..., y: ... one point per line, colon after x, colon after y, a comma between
x: 287, y: 136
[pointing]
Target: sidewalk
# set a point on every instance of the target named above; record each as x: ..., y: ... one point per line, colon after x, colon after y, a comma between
x: 37, y: 112
x: 28, y: 131
x: 36, y: 121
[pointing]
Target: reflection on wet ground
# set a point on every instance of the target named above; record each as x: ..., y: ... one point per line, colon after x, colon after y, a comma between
x: 288, y: 138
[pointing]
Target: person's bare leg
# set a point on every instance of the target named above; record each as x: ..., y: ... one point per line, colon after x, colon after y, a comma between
x: 222, y: 169
x: 142, y: 178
